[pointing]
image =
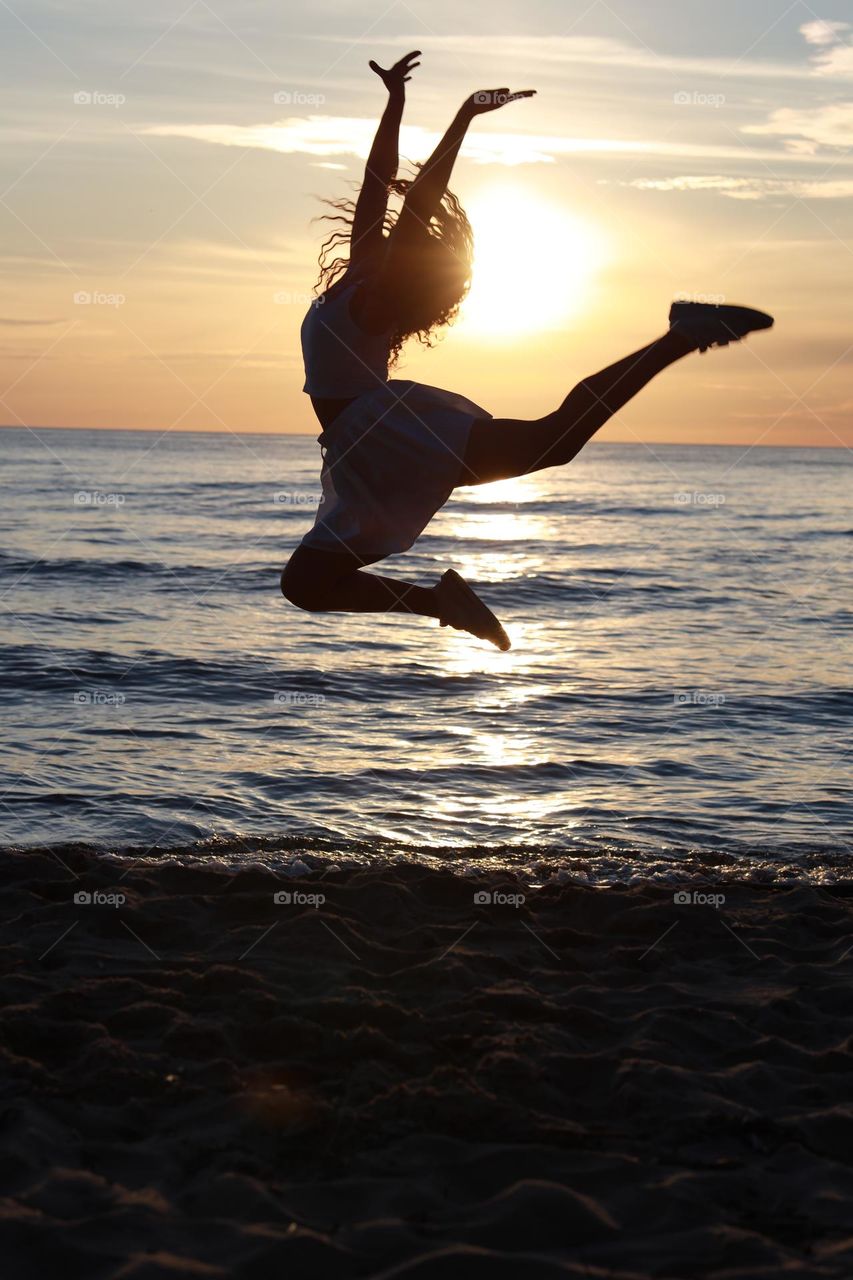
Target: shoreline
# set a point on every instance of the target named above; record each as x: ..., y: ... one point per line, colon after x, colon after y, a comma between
x: 398, y: 1081
x: 532, y: 867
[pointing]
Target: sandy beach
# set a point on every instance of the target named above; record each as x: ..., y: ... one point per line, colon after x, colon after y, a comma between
x: 398, y: 1081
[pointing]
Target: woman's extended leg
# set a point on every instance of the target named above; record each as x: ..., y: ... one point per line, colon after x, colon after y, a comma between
x: 326, y: 581
x: 502, y: 447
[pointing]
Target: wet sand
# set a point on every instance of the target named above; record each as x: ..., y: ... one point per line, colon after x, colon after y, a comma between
x: 398, y: 1081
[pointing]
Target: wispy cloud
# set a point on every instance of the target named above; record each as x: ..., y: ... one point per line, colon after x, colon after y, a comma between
x: 749, y: 188
x: 821, y: 32
x: 330, y: 136
x: 555, y: 51
x: 833, y: 42
x: 804, y: 130
x: 17, y: 322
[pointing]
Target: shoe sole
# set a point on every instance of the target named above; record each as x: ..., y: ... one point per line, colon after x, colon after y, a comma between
x: 488, y: 627
x: 738, y: 321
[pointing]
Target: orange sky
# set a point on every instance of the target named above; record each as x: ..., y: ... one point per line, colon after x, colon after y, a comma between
x: 159, y: 186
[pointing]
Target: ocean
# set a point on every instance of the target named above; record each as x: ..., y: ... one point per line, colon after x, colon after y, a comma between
x: 677, y: 697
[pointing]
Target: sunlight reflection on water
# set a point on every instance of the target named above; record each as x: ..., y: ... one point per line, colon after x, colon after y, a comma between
x: 678, y: 678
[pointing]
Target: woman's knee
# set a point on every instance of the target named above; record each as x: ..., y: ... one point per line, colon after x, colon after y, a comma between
x: 583, y: 399
x: 301, y: 587
x: 311, y: 577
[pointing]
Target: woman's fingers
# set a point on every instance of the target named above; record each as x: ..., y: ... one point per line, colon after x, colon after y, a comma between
x: 399, y: 73
x: 404, y: 64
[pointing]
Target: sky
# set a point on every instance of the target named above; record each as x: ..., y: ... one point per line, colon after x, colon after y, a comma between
x: 163, y: 164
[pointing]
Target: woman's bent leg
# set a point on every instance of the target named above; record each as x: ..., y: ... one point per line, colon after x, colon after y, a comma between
x: 499, y: 448
x: 332, y: 581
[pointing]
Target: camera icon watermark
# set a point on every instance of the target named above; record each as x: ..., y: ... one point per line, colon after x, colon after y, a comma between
x: 684, y: 898
x: 96, y: 298
x: 83, y: 898
x: 98, y: 698
x: 297, y: 298
x: 298, y: 98
x: 96, y: 498
x: 698, y: 698
x: 296, y: 898
x: 686, y: 98
x: 295, y: 698
x: 485, y: 897
x: 707, y: 299
x: 686, y: 498
x: 490, y: 97
x: 287, y: 498
x: 96, y: 98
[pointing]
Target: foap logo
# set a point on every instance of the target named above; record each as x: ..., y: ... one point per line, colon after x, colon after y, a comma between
x: 295, y: 898
x: 687, y: 499
x: 97, y: 98
x: 96, y: 498
x: 483, y: 898
x: 298, y: 98
x: 96, y: 298
x: 688, y: 98
x: 286, y: 498
x: 685, y: 898
x: 295, y: 298
x: 489, y: 97
x: 83, y: 898
x: 294, y: 698
x: 707, y: 299
x: 698, y: 698
x: 98, y: 698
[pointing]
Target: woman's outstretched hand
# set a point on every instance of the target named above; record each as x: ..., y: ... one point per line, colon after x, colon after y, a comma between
x: 492, y: 99
x: 395, y: 77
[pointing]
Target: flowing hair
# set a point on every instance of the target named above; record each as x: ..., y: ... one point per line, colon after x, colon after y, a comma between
x: 430, y: 307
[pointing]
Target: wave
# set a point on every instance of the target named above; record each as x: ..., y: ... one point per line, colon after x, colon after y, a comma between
x: 160, y: 673
x: 309, y: 851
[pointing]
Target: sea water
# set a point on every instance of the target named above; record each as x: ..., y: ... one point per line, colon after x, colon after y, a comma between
x: 677, y: 693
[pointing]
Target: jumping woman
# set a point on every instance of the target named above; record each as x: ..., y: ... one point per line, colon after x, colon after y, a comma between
x: 394, y: 450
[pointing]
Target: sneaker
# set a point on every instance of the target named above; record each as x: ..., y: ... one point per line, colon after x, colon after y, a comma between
x: 716, y: 326
x: 463, y: 609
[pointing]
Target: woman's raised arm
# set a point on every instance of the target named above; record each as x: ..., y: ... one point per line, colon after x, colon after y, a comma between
x: 382, y: 163
x: 427, y: 191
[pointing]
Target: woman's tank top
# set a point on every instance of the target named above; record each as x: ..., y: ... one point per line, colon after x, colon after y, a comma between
x: 341, y: 360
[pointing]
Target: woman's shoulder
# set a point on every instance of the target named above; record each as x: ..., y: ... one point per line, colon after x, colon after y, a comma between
x: 368, y: 305
x: 347, y: 283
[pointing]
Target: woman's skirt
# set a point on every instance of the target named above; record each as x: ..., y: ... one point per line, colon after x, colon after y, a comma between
x: 391, y: 459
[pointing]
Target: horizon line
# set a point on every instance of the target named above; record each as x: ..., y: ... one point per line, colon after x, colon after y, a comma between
x: 309, y: 435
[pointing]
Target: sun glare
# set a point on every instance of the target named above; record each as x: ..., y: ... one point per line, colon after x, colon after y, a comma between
x: 534, y: 263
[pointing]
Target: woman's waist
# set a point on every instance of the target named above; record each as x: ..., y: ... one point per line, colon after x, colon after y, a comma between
x: 328, y: 408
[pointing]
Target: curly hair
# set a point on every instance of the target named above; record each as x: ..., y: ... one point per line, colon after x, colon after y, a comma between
x: 432, y: 297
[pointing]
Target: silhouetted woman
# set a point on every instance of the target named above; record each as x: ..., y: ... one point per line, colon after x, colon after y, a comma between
x: 394, y: 451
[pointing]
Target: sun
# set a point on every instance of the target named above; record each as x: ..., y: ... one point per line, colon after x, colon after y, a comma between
x: 534, y: 263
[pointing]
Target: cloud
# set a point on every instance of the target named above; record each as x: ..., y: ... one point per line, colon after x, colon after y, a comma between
x: 749, y: 188
x: 17, y: 322
x: 325, y: 137
x: 821, y: 32
x: 834, y: 47
x: 556, y: 52
x: 806, y: 129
